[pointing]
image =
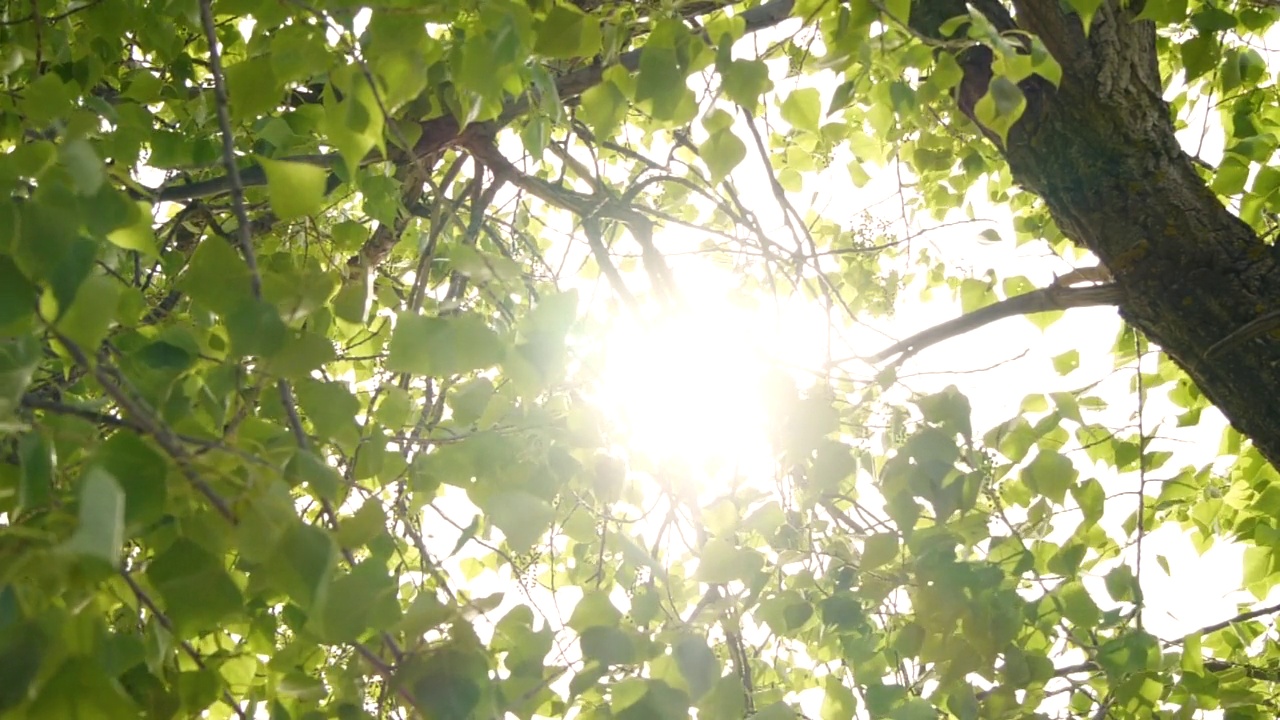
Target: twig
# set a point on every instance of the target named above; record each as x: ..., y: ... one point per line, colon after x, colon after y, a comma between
x: 1250, y: 330
x: 51, y: 18
x: 1242, y: 617
x: 443, y: 132
x: 146, y: 422
x: 187, y: 648
x: 33, y: 402
x: 229, y: 148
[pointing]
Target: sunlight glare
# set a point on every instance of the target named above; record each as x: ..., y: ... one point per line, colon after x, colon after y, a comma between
x: 689, y: 389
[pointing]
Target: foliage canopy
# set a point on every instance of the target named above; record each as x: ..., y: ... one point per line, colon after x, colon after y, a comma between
x: 277, y: 294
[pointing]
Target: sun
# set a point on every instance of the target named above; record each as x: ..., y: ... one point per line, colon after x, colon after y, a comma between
x: 687, y: 389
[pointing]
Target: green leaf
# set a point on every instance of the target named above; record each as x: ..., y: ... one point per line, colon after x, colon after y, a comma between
x: 89, y: 318
x: 1067, y: 362
x: 302, y: 564
x: 665, y: 63
x: 437, y: 347
x: 803, y: 109
x: 301, y: 354
x: 607, y: 646
x: 469, y: 401
x: 567, y: 32
x: 1051, y: 474
x: 722, y: 562
x: 523, y: 518
x: 1258, y: 564
x: 255, y: 328
x: 725, y: 701
x: 216, y: 277
x: 659, y: 700
x: 87, y: 171
x: 842, y: 612
x: 99, y: 533
x: 394, y: 408
x: 301, y: 687
x: 321, y: 478
x: 355, y: 124
x: 298, y: 52
x: 295, y: 189
x: 1001, y: 106
x: 1231, y: 176
x: 1091, y: 498
x: 252, y: 88
x: 603, y: 108
x: 37, y: 459
x: 45, y: 99
x: 141, y: 473
x: 367, y: 523
x: 1077, y: 606
x: 745, y: 81
x: 198, y: 593
x: 17, y: 295
x: 353, y: 301
x: 356, y: 602
x: 975, y: 294
x: 776, y: 711
x: 329, y: 406
x: 23, y: 647
x: 1123, y: 585
x: 949, y: 409
x: 722, y: 152
x: 1086, y: 10
x: 19, y: 357
x: 1164, y: 12
x: 914, y: 709
x: 838, y: 701
x: 1199, y: 56
x: 698, y: 665
x: 134, y: 231
x: 879, y: 550
x: 1192, y: 655
x: 594, y: 610
x: 449, y: 685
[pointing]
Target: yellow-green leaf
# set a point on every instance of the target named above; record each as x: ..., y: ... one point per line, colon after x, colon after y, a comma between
x: 295, y: 189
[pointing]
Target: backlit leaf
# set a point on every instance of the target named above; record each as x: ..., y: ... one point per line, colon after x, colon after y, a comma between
x: 196, y: 590
x: 295, y: 189
x: 99, y: 533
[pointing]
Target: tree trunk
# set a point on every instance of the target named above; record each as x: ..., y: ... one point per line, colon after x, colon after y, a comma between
x: 1101, y: 151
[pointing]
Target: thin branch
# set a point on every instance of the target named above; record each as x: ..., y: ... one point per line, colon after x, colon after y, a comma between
x: 1242, y: 617
x: 229, y: 147
x: 443, y: 132
x: 51, y: 18
x: 34, y: 402
x: 1054, y: 297
x: 187, y: 648
x: 1254, y: 328
x: 145, y: 421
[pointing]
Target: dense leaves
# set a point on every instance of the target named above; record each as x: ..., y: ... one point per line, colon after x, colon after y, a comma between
x: 299, y: 336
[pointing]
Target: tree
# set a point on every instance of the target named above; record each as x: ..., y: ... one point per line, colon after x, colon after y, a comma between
x: 273, y: 282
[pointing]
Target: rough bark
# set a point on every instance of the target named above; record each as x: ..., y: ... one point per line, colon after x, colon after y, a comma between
x: 1101, y: 151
